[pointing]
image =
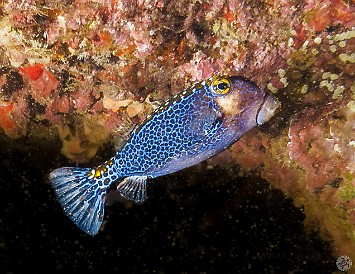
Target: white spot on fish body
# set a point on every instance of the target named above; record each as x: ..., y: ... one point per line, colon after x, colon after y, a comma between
x: 92, y: 174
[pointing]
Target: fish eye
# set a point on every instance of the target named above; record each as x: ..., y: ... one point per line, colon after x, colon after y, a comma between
x: 221, y: 86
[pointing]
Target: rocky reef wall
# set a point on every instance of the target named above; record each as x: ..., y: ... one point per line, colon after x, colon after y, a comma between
x: 84, y: 72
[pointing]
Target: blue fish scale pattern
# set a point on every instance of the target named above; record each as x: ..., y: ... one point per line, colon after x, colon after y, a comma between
x: 176, y: 130
x: 195, y: 125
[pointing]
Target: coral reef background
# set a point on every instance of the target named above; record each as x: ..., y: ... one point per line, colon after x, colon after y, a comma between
x: 76, y: 76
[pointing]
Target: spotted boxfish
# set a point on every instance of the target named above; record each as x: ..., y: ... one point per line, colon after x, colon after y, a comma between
x: 194, y: 125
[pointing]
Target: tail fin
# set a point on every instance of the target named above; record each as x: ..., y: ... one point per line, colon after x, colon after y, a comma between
x: 81, y: 196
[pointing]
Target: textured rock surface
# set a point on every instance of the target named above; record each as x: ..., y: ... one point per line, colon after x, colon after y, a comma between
x: 81, y: 73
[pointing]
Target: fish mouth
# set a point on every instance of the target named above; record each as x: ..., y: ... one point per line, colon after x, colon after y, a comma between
x: 267, y: 109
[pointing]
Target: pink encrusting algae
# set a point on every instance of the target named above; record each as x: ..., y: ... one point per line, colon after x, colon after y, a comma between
x: 90, y: 70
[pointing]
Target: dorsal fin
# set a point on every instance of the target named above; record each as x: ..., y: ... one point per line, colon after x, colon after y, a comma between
x: 123, y: 129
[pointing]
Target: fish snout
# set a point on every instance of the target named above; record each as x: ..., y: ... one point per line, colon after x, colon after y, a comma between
x: 269, y: 108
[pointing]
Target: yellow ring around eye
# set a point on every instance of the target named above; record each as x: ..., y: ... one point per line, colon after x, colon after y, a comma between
x: 226, y: 87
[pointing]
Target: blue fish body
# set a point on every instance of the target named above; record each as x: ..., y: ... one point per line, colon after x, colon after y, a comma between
x: 194, y: 125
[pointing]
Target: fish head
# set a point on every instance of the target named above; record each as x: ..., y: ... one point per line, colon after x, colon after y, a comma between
x: 241, y: 103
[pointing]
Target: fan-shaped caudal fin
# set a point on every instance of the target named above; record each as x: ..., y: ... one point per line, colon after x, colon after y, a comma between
x: 81, y: 196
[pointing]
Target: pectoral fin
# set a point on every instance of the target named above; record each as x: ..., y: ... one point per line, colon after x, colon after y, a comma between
x: 206, y: 123
x: 134, y: 188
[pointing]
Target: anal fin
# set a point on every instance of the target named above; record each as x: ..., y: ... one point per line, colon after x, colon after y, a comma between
x: 134, y: 188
